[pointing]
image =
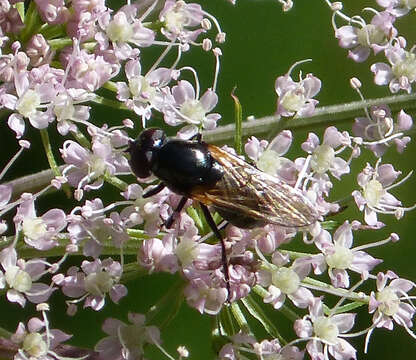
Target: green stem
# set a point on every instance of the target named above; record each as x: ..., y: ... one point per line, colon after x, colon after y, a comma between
x: 322, y: 117
x: 32, y: 23
x: 49, y: 153
x: 110, y: 103
x: 57, y: 44
x: 240, y: 318
x: 110, y: 85
x: 116, y: 182
x: 130, y: 247
x: 319, y: 285
x: 166, y: 301
x: 5, y: 334
x: 238, y: 115
x: 257, y: 312
x: 51, y: 159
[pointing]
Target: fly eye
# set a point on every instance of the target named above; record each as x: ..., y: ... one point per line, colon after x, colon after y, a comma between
x: 151, y: 139
x: 142, y: 149
x: 139, y: 161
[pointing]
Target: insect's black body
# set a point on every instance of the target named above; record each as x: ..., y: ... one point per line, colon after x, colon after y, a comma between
x: 184, y: 165
x: 243, y: 195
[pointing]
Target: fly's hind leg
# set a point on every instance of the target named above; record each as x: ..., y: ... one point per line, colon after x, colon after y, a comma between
x: 224, y: 260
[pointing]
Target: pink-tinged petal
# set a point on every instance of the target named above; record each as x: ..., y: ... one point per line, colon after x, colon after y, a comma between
x: 35, y: 324
x: 275, y: 297
x: 318, y: 264
x: 339, y: 278
x: 42, y: 243
x: 359, y: 54
x: 339, y: 167
x: 283, y: 84
x: 55, y: 218
x: 401, y: 285
x: 308, y: 109
x: 343, y: 235
x: 110, y: 347
x: 343, y: 350
x: 39, y: 293
x: 370, y: 216
x: 123, y: 91
x: 8, y: 257
x: 209, y: 100
x: 21, y: 82
x: 344, y: 322
x: 89, y: 267
x: 17, y: 124
x: 405, y: 313
x: 40, y: 120
x: 183, y: 91
x: 75, y: 154
x: 210, y: 121
x: 404, y: 121
x: 387, y: 3
x: 136, y: 319
x: 390, y: 200
x: 383, y: 73
x: 160, y: 77
x: 58, y: 336
x: 402, y: 143
x: 373, y: 304
x: 282, y: 142
x: 253, y: 148
x: 316, y: 308
x: 315, y: 350
x: 394, y: 86
x: 74, y: 287
x: 303, y: 328
x: 312, y: 86
x: 301, y: 298
x: 323, y: 240
x: 133, y: 191
x: 359, y: 199
x: 112, y: 326
x: 132, y: 68
x: 8, y: 101
x: 26, y: 208
x: 95, y: 302
x: 347, y: 36
x: 332, y: 137
x: 311, y: 143
x: 387, y: 175
x: 302, y: 267
x: 35, y: 268
x: 364, y: 262
x: 17, y: 297
x: 117, y: 292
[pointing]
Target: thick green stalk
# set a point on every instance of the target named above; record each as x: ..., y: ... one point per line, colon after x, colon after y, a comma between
x: 324, y: 116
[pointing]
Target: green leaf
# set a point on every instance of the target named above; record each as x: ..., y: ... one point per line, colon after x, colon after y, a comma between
x: 257, y: 312
x: 238, y: 146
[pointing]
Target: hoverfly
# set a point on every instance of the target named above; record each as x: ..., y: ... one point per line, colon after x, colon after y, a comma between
x: 242, y: 194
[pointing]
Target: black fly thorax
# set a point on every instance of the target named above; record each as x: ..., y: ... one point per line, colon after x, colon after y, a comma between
x: 184, y: 165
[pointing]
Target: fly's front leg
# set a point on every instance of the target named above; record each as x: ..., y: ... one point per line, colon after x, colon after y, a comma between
x: 178, y: 209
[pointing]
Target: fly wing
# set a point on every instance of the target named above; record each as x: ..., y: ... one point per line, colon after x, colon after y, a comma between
x: 252, y: 193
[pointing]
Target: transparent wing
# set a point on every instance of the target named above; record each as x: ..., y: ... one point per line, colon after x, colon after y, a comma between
x: 252, y: 193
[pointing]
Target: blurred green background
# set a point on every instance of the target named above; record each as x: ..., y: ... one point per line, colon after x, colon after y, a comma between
x: 262, y: 43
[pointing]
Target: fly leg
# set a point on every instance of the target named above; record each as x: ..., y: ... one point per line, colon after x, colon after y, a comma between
x: 178, y: 209
x: 182, y: 202
x: 154, y: 191
x: 224, y: 260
